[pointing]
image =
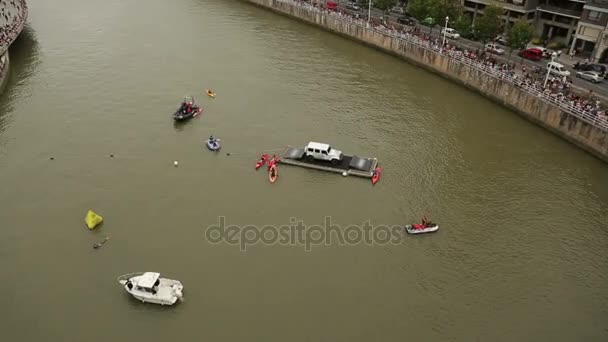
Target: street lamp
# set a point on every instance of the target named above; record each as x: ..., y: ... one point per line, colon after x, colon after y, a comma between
x: 553, y: 55
x: 445, y: 30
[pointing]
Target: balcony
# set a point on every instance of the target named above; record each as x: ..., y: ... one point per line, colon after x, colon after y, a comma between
x: 598, y: 3
x: 572, y: 9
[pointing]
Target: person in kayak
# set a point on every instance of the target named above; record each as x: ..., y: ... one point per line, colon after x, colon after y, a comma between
x: 212, y: 139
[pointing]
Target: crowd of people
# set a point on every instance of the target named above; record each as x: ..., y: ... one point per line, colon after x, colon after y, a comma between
x: 555, y: 90
x: 12, y: 17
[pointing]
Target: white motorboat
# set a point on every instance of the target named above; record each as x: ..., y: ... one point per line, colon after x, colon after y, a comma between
x: 432, y: 227
x: 151, y: 288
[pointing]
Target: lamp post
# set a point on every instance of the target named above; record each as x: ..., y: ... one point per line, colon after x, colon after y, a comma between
x: 445, y: 30
x: 369, y: 11
x: 553, y: 55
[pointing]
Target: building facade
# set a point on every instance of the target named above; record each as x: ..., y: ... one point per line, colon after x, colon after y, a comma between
x: 553, y: 20
x: 591, y: 33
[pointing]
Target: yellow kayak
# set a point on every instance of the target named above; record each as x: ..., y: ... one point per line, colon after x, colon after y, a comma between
x: 92, y: 219
x: 210, y: 93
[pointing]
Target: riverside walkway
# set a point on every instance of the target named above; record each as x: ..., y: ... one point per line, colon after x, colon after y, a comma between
x: 557, y: 93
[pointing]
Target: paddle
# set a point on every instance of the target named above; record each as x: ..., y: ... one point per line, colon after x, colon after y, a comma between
x: 99, y: 244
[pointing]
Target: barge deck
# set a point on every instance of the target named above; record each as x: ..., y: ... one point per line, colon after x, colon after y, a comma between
x: 352, y: 165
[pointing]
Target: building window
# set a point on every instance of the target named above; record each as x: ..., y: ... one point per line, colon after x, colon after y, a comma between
x: 594, y: 15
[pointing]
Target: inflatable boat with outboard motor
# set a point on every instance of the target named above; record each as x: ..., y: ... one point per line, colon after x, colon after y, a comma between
x: 187, y: 110
x: 213, y: 144
x: 418, y: 228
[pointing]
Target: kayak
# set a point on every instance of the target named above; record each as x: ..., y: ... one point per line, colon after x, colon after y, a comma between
x: 273, y: 174
x: 376, y: 175
x: 262, y: 161
x: 210, y: 93
x: 433, y: 227
x: 214, y: 145
x: 272, y: 162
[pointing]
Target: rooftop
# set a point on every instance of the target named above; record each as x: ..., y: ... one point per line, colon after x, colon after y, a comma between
x: 148, y: 279
x: 317, y: 145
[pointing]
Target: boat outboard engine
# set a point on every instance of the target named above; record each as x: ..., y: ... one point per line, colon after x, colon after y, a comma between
x: 178, y: 292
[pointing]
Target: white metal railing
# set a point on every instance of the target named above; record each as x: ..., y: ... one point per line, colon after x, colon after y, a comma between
x: 598, y: 119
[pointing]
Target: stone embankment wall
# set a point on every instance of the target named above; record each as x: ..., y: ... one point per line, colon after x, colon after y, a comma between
x: 576, y: 127
x: 13, y: 16
x: 4, y: 71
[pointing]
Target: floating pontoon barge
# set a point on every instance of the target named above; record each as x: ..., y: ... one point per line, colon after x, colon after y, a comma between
x: 352, y: 165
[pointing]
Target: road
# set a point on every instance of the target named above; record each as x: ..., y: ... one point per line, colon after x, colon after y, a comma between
x: 600, y: 89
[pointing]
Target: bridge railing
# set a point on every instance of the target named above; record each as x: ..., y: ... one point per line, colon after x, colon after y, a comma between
x: 559, y: 100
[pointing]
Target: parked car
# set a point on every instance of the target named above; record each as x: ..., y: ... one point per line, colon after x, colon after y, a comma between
x: 495, y: 48
x: 546, y: 52
x: 533, y: 54
x: 428, y: 22
x: 450, y: 33
x: 405, y: 20
x: 353, y: 6
x: 470, y: 35
x: 500, y: 40
x: 397, y: 10
x: 319, y: 151
x: 591, y: 76
x: 590, y: 67
x: 557, y: 69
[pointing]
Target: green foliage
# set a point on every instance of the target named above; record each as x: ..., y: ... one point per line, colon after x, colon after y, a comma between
x: 536, y: 41
x: 445, y: 8
x: 436, y: 9
x: 384, y: 4
x: 420, y: 9
x: 463, y: 25
x: 520, y: 35
x: 489, y: 25
x: 556, y: 45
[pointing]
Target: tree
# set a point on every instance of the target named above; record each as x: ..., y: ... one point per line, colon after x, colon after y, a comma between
x: 520, y: 35
x: 489, y: 25
x: 420, y: 9
x: 464, y: 25
x: 440, y: 9
x: 384, y: 4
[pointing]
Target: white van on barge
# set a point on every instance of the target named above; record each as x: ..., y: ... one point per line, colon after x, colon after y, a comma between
x: 324, y: 157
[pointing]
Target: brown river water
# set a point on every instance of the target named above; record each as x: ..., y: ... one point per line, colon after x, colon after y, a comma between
x: 520, y: 255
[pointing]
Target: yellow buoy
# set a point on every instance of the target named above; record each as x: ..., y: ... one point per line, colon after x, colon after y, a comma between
x: 92, y: 219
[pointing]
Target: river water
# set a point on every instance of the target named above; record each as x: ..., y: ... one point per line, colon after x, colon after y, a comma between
x: 520, y: 255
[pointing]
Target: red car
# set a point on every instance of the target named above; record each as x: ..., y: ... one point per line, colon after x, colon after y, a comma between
x: 532, y: 54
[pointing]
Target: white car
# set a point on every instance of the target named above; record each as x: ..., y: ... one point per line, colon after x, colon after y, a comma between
x: 397, y: 10
x: 324, y: 152
x: 557, y: 69
x: 591, y: 76
x: 494, y: 48
x: 353, y: 6
x: 450, y: 33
